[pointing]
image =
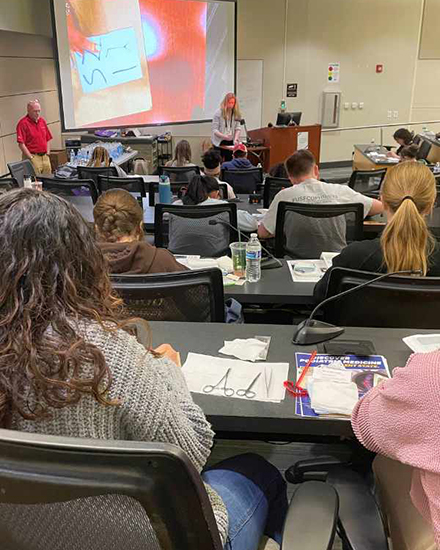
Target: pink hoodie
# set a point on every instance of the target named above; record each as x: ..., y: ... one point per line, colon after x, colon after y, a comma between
x: 401, y: 420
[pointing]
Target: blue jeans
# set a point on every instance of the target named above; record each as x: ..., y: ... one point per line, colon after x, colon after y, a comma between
x: 255, y: 497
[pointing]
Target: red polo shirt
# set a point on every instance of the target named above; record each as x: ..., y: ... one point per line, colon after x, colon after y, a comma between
x: 34, y: 135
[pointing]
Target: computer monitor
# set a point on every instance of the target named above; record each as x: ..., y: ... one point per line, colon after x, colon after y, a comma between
x: 286, y: 119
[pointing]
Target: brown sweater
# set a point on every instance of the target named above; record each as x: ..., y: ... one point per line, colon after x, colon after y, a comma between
x: 139, y: 257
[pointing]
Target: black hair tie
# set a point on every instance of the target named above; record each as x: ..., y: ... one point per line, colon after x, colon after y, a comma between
x: 408, y: 197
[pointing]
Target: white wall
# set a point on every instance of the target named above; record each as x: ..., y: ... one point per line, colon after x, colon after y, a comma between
x: 25, y: 16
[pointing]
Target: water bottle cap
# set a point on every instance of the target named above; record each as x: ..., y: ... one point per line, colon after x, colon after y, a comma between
x: 254, y: 235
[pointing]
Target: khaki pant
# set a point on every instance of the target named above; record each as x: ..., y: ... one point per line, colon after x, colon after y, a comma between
x: 41, y: 164
x: 408, y: 529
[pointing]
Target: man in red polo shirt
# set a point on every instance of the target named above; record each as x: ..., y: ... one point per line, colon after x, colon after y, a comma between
x: 33, y: 138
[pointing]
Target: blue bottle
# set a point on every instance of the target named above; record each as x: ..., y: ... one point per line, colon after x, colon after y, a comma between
x: 165, y: 195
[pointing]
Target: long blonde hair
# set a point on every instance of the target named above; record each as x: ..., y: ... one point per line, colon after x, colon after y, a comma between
x: 100, y: 157
x: 226, y: 112
x: 409, y: 192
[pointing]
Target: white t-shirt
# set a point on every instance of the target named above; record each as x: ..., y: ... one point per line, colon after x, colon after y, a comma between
x: 307, y: 237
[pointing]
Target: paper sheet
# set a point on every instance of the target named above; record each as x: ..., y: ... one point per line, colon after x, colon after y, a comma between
x: 200, y: 370
x: 423, y: 343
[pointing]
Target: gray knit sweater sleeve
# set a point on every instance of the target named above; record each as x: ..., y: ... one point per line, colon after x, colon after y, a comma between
x: 157, y: 406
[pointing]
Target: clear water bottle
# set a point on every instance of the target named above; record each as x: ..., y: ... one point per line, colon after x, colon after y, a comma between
x: 253, y: 259
x: 165, y: 195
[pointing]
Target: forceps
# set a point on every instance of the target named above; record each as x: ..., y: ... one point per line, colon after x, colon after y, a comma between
x: 248, y: 392
x: 228, y: 392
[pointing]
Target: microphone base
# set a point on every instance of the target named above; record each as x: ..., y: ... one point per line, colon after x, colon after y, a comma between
x: 314, y: 332
x: 270, y: 263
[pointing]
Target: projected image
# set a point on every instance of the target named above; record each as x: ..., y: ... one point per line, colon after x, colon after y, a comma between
x: 142, y: 62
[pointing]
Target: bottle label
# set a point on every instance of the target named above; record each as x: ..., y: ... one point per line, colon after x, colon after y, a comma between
x: 253, y: 255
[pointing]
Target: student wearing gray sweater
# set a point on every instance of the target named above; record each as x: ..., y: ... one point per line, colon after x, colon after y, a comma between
x: 69, y: 367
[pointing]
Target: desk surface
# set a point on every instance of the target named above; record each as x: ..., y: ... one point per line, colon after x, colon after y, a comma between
x: 253, y: 419
x: 362, y: 148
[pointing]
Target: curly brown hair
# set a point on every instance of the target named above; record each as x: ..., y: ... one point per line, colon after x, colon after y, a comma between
x: 54, y: 279
x: 117, y: 214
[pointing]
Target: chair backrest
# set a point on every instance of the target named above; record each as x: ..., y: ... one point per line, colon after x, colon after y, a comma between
x: 83, y: 494
x: 367, y: 181
x: 424, y: 149
x: 6, y: 184
x: 20, y: 169
x: 194, y: 296
x: 417, y: 139
x: 243, y: 181
x: 271, y: 187
x: 69, y: 187
x: 396, y: 302
x: 133, y: 185
x: 179, y: 174
x: 190, y: 231
x: 92, y: 172
x: 322, y: 233
x: 177, y: 188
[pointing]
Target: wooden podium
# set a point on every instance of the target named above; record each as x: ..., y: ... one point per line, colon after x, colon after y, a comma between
x: 283, y: 140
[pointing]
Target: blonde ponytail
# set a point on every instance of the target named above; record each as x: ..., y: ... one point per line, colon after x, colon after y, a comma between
x: 409, y: 193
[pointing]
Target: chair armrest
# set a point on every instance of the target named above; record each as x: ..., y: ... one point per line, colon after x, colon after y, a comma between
x: 360, y: 520
x: 312, y: 468
x: 311, y: 518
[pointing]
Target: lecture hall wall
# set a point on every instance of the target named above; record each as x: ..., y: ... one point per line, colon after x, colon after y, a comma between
x: 356, y: 33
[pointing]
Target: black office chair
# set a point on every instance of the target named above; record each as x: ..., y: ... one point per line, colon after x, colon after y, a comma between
x: 92, y: 173
x: 368, y: 182
x: 360, y: 524
x: 177, y: 189
x: 355, y: 228
x: 67, y: 187
x: 193, y: 296
x: 424, y: 150
x: 272, y: 186
x: 6, y: 184
x: 417, y: 139
x: 57, y: 492
x: 223, y: 188
x: 179, y: 174
x: 397, y: 302
x: 243, y: 181
x: 133, y: 185
x: 19, y: 170
x: 201, y: 230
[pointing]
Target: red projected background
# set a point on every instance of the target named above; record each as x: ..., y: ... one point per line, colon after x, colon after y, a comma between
x: 175, y: 47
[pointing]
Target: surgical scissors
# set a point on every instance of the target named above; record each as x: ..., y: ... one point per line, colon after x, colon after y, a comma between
x: 248, y: 392
x: 228, y: 392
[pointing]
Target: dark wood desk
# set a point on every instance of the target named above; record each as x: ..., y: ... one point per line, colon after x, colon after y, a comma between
x: 249, y: 419
x: 256, y: 154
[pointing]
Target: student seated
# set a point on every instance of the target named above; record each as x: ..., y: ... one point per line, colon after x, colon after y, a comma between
x: 398, y: 420
x: 185, y: 236
x: 211, y: 161
x: 278, y: 171
x: 70, y: 368
x: 120, y: 234
x: 408, y: 196
x: 239, y: 159
x: 308, y: 237
x: 404, y: 138
x: 100, y: 157
x: 182, y: 155
x: 409, y: 152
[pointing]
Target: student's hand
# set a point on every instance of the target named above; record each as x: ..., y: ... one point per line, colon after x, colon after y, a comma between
x: 168, y: 351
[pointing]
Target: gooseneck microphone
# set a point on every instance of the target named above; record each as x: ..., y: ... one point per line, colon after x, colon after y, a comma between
x: 279, y: 263
x: 312, y: 331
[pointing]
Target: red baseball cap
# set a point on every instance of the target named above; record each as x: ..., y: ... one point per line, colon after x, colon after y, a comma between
x: 240, y: 147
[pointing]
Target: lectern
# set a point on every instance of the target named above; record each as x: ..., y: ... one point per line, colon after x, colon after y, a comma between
x: 285, y: 140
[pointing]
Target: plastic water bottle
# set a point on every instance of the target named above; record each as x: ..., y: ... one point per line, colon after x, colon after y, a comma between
x: 165, y: 195
x: 253, y: 259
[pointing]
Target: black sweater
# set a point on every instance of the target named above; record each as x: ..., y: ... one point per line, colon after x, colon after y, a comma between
x: 367, y: 256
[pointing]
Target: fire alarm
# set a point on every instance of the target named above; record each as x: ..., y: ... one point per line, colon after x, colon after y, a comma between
x: 379, y: 68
